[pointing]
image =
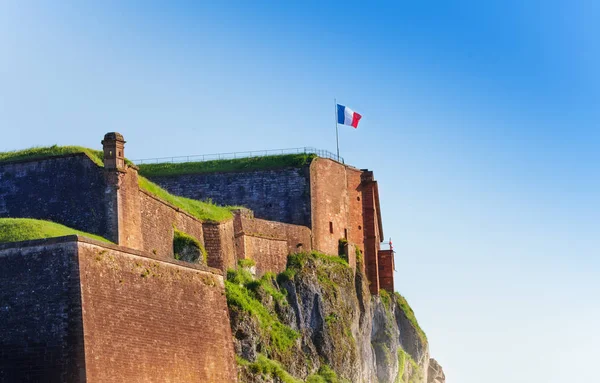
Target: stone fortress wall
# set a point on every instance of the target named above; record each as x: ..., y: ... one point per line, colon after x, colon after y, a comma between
x: 333, y: 200
x: 74, y: 191
x: 78, y: 310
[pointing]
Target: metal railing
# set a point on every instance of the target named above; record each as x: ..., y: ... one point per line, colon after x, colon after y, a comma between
x: 234, y: 155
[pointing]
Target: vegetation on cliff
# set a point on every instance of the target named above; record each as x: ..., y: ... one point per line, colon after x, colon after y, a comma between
x: 410, y: 314
x: 264, y: 314
x: 317, y: 322
x: 230, y: 165
x: 25, y: 229
x: 245, y: 293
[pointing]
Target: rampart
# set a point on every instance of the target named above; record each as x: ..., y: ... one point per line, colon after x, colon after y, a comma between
x: 70, y: 190
x: 338, y: 203
x: 268, y: 243
x: 333, y: 203
x: 281, y: 195
x: 78, y: 310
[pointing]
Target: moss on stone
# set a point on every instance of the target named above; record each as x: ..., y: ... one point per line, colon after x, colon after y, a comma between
x: 401, y: 366
x: 325, y: 375
x: 408, y: 370
x: 385, y: 299
x: 242, y: 291
x: 268, y: 368
x: 188, y: 248
x: 246, y: 263
x: 410, y: 314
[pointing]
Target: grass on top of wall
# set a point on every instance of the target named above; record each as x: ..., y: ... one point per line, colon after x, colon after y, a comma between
x: 36, y: 153
x: 25, y: 229
x: 203, y: 210
x: 231, y: 165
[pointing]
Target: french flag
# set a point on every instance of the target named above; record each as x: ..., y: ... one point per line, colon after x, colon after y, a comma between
x: 347, y: 116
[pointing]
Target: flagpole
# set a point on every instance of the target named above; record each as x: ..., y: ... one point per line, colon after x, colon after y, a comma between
x: 337, y: 140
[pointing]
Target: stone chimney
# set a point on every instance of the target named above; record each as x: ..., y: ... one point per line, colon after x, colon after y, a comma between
x: 114, y: 151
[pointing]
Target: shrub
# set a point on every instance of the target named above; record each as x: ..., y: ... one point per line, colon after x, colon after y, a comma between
x: 188, y: 248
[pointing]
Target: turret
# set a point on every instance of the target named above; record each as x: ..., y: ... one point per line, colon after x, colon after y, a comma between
x: 114, y: 151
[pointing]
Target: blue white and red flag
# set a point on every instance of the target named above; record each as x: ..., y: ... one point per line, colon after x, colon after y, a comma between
x: 347, y: 116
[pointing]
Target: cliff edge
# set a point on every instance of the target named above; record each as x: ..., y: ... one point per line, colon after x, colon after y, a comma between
x: 317, y: 322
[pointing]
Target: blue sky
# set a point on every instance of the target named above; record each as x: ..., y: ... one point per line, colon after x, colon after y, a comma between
x: 480, y: 120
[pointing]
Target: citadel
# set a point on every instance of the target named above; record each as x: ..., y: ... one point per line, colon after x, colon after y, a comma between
x: 148, y: 301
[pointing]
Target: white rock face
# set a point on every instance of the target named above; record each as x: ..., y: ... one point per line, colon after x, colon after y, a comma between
x: 436, y: 373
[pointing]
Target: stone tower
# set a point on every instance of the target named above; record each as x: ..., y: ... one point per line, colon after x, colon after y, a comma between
x: 114, y: 151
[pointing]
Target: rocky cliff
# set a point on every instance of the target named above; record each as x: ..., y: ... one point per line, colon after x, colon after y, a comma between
x: 317, y: 322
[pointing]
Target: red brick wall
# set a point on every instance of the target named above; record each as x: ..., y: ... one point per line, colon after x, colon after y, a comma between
x: 157, y: 221
x: 148, y: 320
x: 355, y: 213
x: 130, y: 230
x: 269, y: 254
x: 386, y: 270
x: 329, y: 204
x: 296, y: 237
x: 371, y: 235
x: 219, y: 242
x: 269, y: 243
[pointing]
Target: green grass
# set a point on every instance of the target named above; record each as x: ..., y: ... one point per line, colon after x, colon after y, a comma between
x: 325, y: 375
x: 183, y: 243
x: 246, y: 263
x: 42, y: 152
x: 410, y: 314
x: 296, y: 261
x: 36, y: 153
x: 268, y: 367
x: 204, y: 211
x: 385, y: 299
x: 271, y: 368
x: 25, y: 229
x: 232, y: 165
x: 243, y: 292
x: 401, y: 365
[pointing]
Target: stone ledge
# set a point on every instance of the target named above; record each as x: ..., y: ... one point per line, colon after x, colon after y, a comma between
x: 38, y: 159
x: 80, y: 239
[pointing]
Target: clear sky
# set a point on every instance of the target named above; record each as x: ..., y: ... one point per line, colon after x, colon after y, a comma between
x: 480, y: 121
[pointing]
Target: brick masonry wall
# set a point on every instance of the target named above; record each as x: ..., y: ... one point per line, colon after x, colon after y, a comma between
x: 355, y: 208
x: 281, y: 195
x: 69, y: 190
x: 269, y: 243
x: 157, y: 221
x: 129, y: 202
x: 297, y: 238
x: 41, y: 334
x: 330, y: 207
x: 219, y: 241
x: 372, y: 239
x: 386, y: 270
x: 146, y: 320
x: 269, y: 254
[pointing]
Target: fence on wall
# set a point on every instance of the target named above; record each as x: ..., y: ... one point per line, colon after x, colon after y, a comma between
x: 234, y: 155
